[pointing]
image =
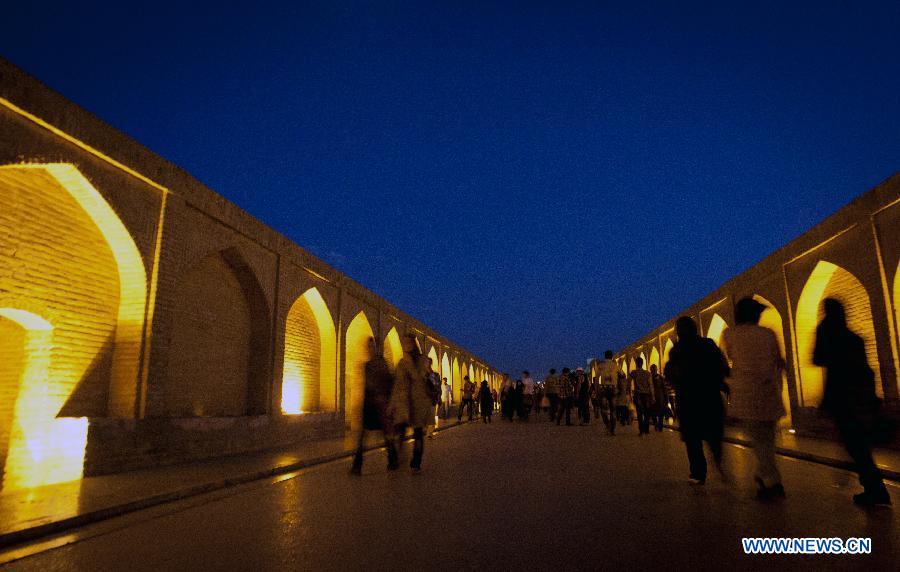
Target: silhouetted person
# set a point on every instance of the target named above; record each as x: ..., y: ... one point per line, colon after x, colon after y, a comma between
x: 697, y: 370
x: 551, y: 390
x: 486, y: 401
x: 660, y: 398
x: 468, y: 399
x: 410, y: 404
x: 377, y: 393
x: 565, y: 397
x: 583, y: 395
x: 609, y: 380
x: 756, y: 383
x: 643, y: 395
x: 446, y: 399
x: 850, y: 396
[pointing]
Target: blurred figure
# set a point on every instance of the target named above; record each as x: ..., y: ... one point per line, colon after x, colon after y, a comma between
x: 468, y: 399
x: 551, y: 390
x: 697, y: 369
x: 756, y: 382
x: 446, y: 398
x: 623, y: 397
x: 494, y: 397
x: 527, y: 402
x: 660, y: 396
x: 595, y: 397
x: 850, y: 397
x: 609, y: 376
x: 377, y: 393
x: 486, y: 400
x: 434, y: 382
x: 565, y: 397
x: 643, y: 395
x: 410, y: 404
x: 583, y: 395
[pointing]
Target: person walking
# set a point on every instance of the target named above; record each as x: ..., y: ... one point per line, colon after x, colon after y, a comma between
x: 527, y: 396
x: 609, y: 375
x: 850, y: 397
x: 446, y: 398
x: 642, y: 385
x: 434, y: 386
x: 755, y: 379
x: 468, y: 399
x: 660, y: 398
x: 376, y: 395
x: 486, y: 401
x: 697, y: 369
x: 410, y: 404
x: 565, y: 397
x: 583, y: 395
x: 551, y: 390
x: 623, y: 398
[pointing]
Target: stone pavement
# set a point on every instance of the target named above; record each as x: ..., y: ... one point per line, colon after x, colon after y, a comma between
x: 504, y: 496
x: 34, y: 513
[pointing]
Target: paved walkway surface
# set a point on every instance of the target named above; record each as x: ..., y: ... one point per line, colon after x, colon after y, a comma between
x: 504, y: 496
x: 32, y: 513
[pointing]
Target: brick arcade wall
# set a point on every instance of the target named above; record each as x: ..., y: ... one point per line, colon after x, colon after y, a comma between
x: 192, y: 365
x: 853, y: 255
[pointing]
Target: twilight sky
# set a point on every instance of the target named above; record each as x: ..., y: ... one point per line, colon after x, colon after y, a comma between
x: 539, y: 181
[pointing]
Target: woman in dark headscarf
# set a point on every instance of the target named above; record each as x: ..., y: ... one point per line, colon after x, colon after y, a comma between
x: 697, y: 370
x: 850, y: 396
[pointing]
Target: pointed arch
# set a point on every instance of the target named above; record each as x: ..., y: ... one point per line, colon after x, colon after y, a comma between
x: 717, y: 326
x: 309, y: 377
x: 828, y: 280
x: 771, y: 318
x: 632, y: 365
x: 654, y: 359
x: 218, y: 304
x: 667, y: 348
x: 356, y: 351
x: 471, y: 373
x: 457, y: 381
x: 67, y: 260
x: 446, y: 372
x: 435, y: 362
x: 896, y: 302
x: 393, y: 349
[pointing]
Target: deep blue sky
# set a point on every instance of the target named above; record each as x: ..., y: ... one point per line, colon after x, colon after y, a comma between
x: 537, y: 180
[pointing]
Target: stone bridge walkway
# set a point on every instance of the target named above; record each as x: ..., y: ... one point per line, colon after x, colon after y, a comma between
x: 504, y: 496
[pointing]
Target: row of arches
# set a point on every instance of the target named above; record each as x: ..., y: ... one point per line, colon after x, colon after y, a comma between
x: 826, y: 280
x: 74, y: 298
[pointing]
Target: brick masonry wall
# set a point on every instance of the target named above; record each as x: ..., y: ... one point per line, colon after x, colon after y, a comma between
x: 189, y: 358
x: 861, y: 239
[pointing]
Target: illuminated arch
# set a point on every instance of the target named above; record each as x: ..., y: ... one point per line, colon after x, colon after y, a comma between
x: 771, y: 318
x: 356, y: 347
x: 666, y: 349
x: 831, y: 281
x: 445, y: 369
x: 457, y: 381
x: 472, y: 373
x: 897, y: 300
x: 232, y: 380
x: 632, y: 365
x: 623, y: 366
x: 393, y: 349
x: 308, y: 382
x: 66, y: 260
x: 435, y: 362
x: 717, y: 325
x: 654, y: 359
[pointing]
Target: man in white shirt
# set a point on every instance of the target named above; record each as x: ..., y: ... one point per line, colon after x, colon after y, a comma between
x: 446, y: 392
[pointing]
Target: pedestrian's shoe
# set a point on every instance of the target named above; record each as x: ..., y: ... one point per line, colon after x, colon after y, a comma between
x: 873, y: 498
x: 695, y: 481
x: 356, y: 470
x: 415, y: 470
x: 393, y: 466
